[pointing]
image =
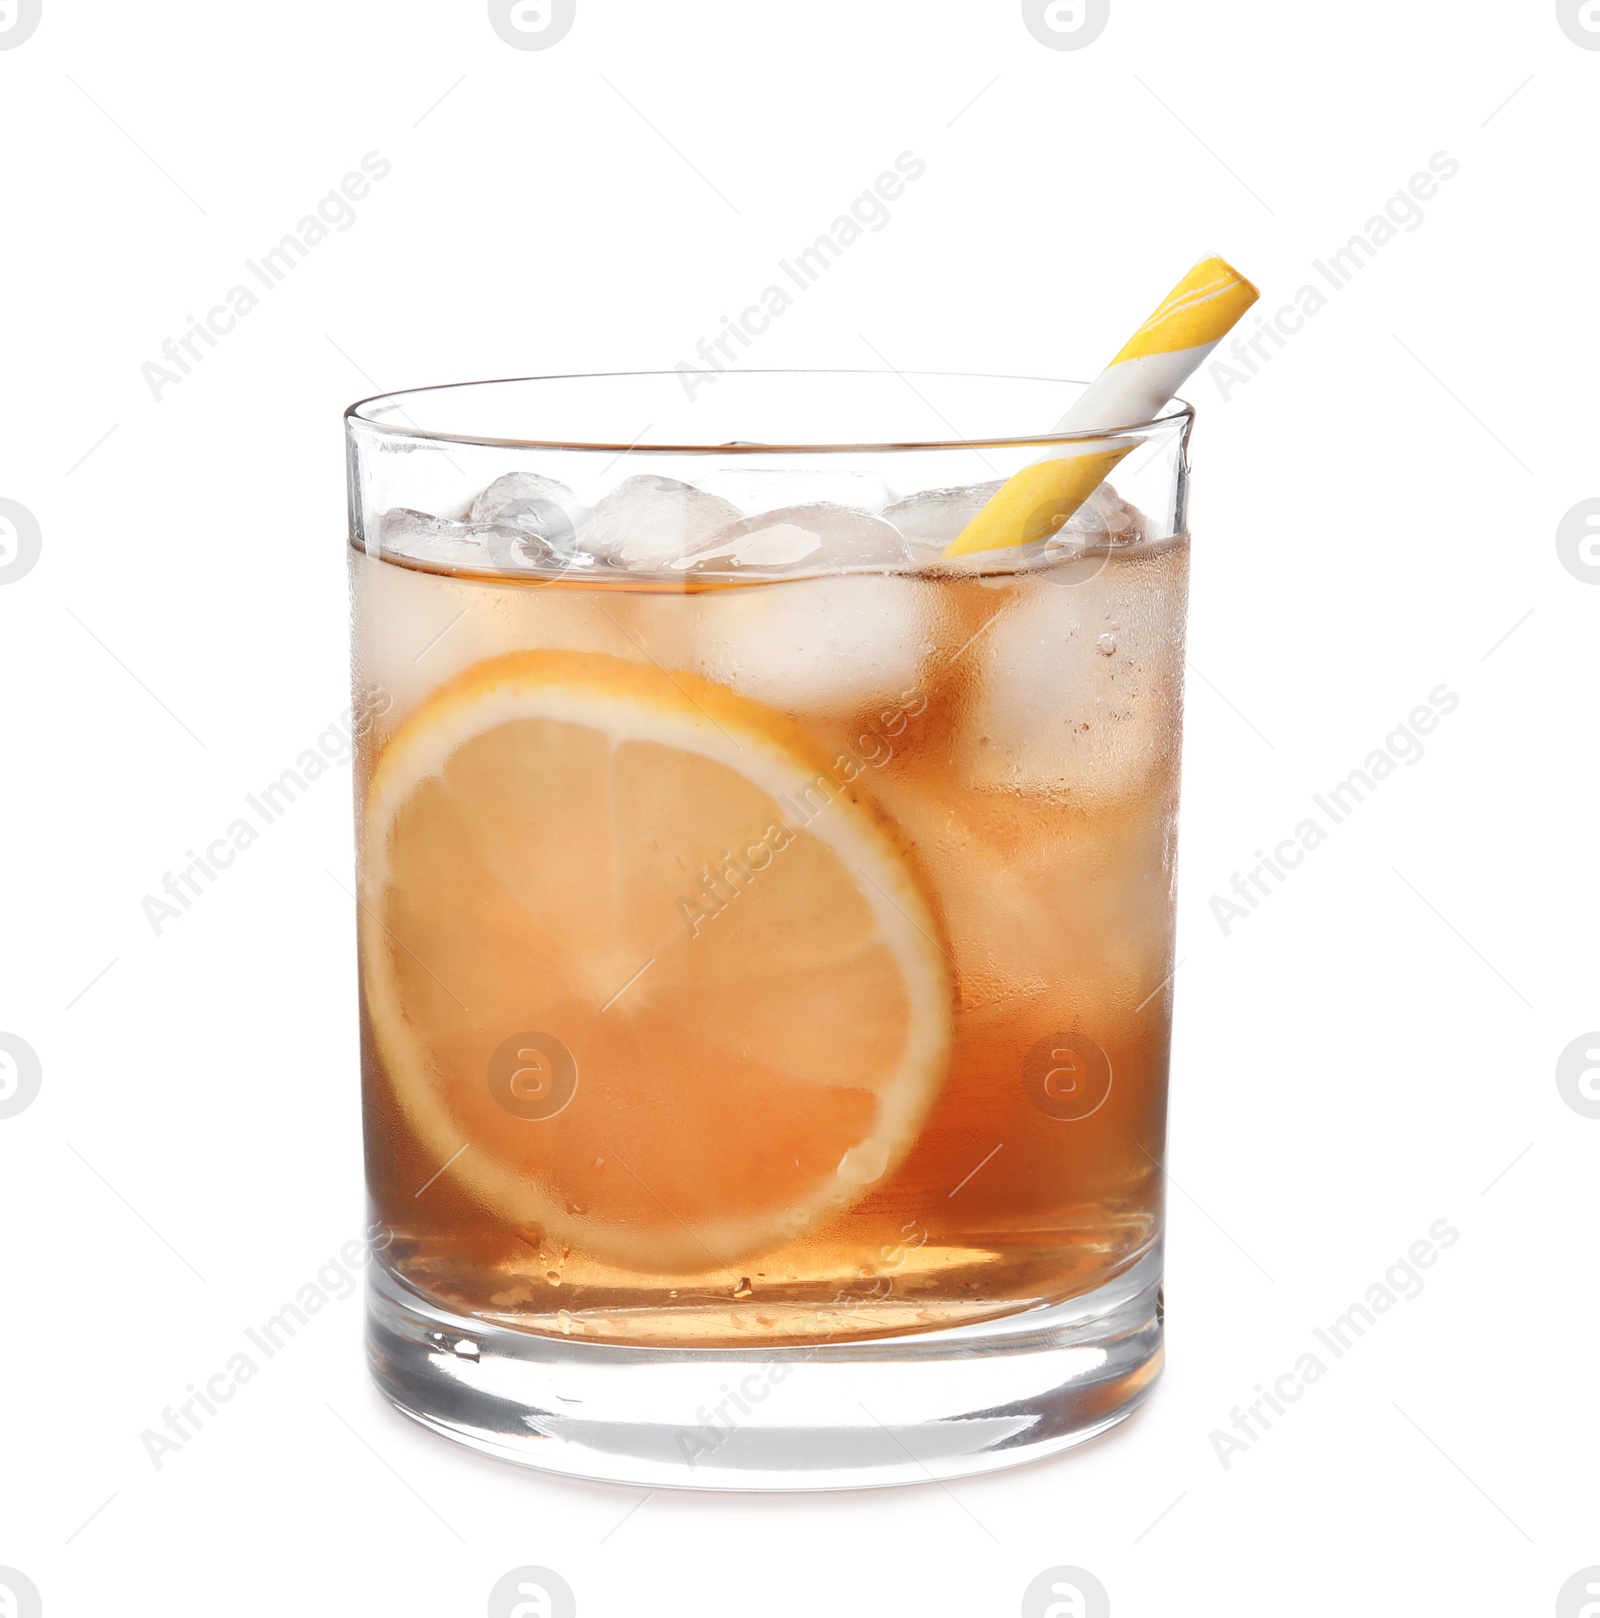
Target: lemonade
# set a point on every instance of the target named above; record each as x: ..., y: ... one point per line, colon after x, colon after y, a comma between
x: 765, y: 950
x: 767, y: 824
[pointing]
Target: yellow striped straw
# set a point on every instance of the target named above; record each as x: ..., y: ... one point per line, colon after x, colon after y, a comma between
x: 1153, y: 364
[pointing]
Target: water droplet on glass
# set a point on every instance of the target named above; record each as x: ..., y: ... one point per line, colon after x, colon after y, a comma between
x: 744, y: 1289
x: 1106, y: 645
x: 863, y: 1164
x: 553, y: 1277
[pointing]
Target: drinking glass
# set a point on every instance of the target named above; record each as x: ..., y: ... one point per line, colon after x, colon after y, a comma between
x: 766, y: 921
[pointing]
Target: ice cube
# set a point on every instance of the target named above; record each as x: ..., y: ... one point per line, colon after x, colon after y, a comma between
x: 1051, y: 920
x: 531, y: 524
x: 418, y: 537
x: 483, y: 547
x: 514, y: 549
x: 1078, y: 690
x: 649, y: 521
x: 825, y: 647
x: 414, y: 630
x: 932, y: 518
x: 1105, y: 518
x: 818, y: 535
x: 534, y: 505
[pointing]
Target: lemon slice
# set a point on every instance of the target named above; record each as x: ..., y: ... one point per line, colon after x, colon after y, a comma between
x: 641, y: 972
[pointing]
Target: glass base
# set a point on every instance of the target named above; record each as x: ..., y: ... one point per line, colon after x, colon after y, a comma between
x: 895, y: 1410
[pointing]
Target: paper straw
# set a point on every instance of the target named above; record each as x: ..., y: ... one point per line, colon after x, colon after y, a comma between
x: 1155, y: 362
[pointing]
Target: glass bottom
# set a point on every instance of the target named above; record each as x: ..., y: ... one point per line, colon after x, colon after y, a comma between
x: 941, y: 1404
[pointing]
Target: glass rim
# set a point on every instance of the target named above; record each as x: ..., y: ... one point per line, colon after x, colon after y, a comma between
x: 1177, y: 412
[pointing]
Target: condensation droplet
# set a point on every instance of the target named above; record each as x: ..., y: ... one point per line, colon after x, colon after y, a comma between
x: 744, y: 1289
x: 1106, y: 645
x: 553, y: 1277
x: 863, y: 1164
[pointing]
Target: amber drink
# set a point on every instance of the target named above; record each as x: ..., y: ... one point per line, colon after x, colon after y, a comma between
x: 766, y: 923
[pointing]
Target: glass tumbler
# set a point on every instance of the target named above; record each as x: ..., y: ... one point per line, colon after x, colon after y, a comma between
x: 766, y: 921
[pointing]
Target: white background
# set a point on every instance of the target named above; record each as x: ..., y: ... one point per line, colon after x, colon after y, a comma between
x: 1372, y: 1050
